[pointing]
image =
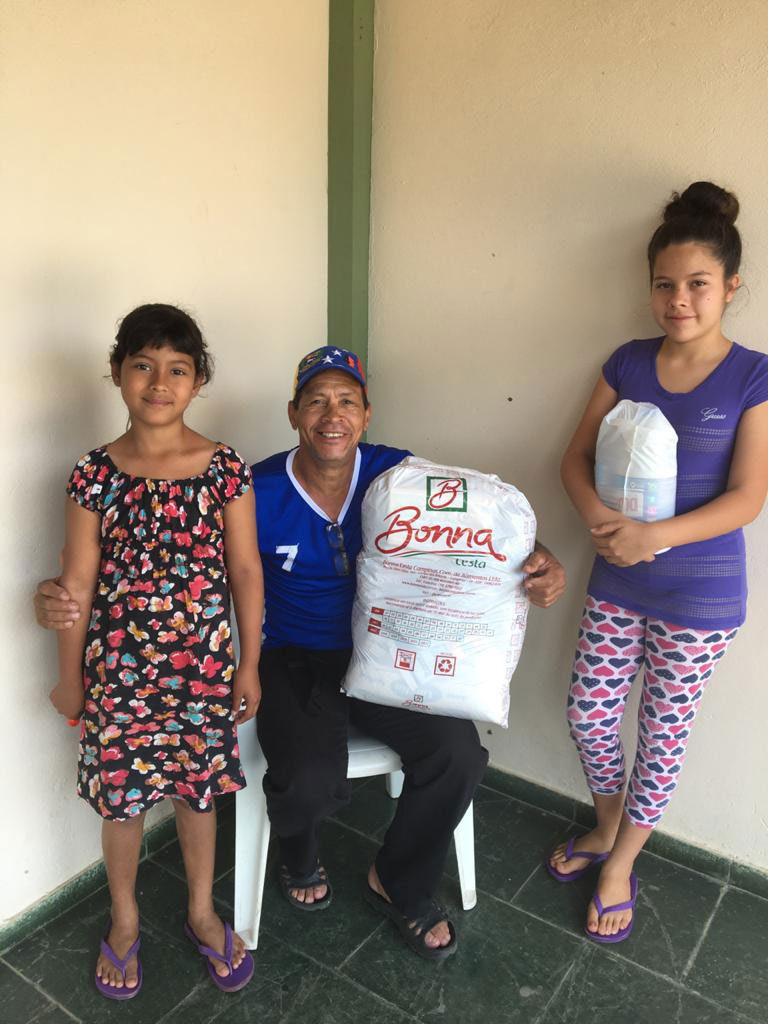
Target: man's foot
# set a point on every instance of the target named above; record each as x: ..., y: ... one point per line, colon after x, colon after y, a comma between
x: 209, y: 929
x: 121, y: 936
x: 311, y: 893
x: 613, y: 888
x: 596, y: 842
x: 439, y: 935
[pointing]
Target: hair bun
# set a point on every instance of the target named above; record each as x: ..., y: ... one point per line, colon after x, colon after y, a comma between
x: 703, y: 199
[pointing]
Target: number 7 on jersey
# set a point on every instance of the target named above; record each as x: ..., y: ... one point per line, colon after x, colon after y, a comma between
x: 291, y: 550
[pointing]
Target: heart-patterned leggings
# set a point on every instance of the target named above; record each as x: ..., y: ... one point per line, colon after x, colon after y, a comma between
x: 614, y: 644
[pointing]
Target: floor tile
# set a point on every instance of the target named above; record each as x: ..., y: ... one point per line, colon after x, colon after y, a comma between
x: 54, y: 1015
x: 282, y: 979
x: 328, y: 935
x: 511, y: 839
x: 505, y: 970
x: 371, y: 809
x: 601, y: 989
x: 21, y: 1002
x: 61, y: 956
x: 673, y: 907
x: 732, y: 964
x: 333, y: 1000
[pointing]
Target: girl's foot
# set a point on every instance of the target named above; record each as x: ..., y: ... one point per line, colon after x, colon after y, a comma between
x: 121, y: 937
x: 595, y: 841
x: 613, y: 888
x: 209, y: 929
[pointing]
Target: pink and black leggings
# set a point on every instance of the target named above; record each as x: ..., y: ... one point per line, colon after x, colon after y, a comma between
x: 614, y: 644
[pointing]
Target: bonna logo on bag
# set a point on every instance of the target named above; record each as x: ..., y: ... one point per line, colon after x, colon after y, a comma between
x: 402, y: 533
x: 446, y: 494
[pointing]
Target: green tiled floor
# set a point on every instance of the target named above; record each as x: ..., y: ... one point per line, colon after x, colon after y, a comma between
x: 698, y: 955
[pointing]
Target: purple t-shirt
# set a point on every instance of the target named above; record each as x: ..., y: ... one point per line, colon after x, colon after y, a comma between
x: 701, y: 585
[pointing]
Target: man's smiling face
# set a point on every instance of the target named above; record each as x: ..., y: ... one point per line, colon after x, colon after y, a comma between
x: 330, y: 418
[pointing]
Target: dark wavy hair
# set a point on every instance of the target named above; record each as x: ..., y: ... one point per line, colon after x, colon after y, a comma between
x: 704, y: 213
x: 156, y: 324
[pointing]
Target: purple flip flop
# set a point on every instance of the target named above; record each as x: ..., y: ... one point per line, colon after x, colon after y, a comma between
x: 112, y: 991
x: 629, y: 905
x: 238, y: 977
x: 571, y: 876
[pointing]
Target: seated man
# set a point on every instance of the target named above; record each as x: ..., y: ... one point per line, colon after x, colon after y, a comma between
x: 308, y: 509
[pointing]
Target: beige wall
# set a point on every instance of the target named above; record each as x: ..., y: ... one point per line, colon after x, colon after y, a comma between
x: 169, y: 150
x: 521, y: 155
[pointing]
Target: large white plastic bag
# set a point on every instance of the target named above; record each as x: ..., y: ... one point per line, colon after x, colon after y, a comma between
x: 440, y: 610
x: 636, y: 461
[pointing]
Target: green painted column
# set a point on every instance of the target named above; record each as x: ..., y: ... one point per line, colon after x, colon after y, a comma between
x: 350, y: 103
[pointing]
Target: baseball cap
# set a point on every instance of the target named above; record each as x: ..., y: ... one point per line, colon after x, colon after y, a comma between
x: 329, y: 357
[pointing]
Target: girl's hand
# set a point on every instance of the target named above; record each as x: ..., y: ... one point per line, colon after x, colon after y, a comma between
x: 247, y: 688
x: 625, y: 542
x: 68, y: 700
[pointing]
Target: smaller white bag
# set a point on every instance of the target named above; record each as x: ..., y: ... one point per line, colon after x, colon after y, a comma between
x: 636, y: 462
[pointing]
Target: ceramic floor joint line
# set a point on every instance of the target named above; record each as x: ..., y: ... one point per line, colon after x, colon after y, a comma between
x: 536, y: 807
x: 631, y: 963
x: 360, y: 945
x: 201, y: 986
x: 38, y: 988
x: 707, y: 925
x: 566, y: 974
x: 344, y: 977
x: 535, y: 871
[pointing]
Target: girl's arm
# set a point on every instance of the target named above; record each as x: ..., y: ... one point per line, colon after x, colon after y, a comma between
x: 577, y: 470
x: 628, y: 542
x: 81, y: 557
x: 241, y: 551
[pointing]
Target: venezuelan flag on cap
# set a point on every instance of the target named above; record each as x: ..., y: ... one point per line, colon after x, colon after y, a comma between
x: 329, y: 357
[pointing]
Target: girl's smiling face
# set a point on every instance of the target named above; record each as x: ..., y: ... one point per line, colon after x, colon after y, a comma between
x: 157, y: 384
x: 689, y: 293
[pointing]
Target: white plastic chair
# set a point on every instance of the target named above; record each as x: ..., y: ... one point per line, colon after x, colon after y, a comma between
x: 366, y: 757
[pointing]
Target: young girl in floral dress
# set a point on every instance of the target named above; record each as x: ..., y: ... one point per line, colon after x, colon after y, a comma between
x: 667, y: 596
x: 159, y: 526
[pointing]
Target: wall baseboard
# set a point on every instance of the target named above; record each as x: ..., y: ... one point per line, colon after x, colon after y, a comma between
x: 722, y: 868
x: 78, y: 888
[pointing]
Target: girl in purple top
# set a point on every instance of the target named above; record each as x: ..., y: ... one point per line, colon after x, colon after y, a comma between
x: 672, y: 613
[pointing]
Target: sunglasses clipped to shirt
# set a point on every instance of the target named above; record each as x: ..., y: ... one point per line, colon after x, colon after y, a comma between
x: 335, y: 537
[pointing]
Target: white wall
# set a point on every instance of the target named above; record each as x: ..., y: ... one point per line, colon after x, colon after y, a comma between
x: 521, y: 156
x: 170, y: 150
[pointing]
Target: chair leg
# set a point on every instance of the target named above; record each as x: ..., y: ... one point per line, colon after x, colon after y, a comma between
x: 251, y: 838
x: 464, y: 838
x: 395, y: 784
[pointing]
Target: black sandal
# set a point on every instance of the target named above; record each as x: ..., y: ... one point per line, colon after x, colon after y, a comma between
x: 318, y: 877
x: 414, y: 929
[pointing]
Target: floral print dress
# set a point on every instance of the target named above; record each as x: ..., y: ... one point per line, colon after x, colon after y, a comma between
x: 158, y: 662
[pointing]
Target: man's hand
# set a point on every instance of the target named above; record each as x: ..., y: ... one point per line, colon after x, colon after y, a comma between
x: 68, y: 700
x: 54, y: 608
x: 626, y: 542
x: 246, y: 691
x: 545, y: 577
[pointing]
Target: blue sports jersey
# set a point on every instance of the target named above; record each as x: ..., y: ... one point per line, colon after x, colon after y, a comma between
x: 307, y: 602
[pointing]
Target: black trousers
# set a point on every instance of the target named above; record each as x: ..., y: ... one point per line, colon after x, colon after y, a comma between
x: 302, y: 725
